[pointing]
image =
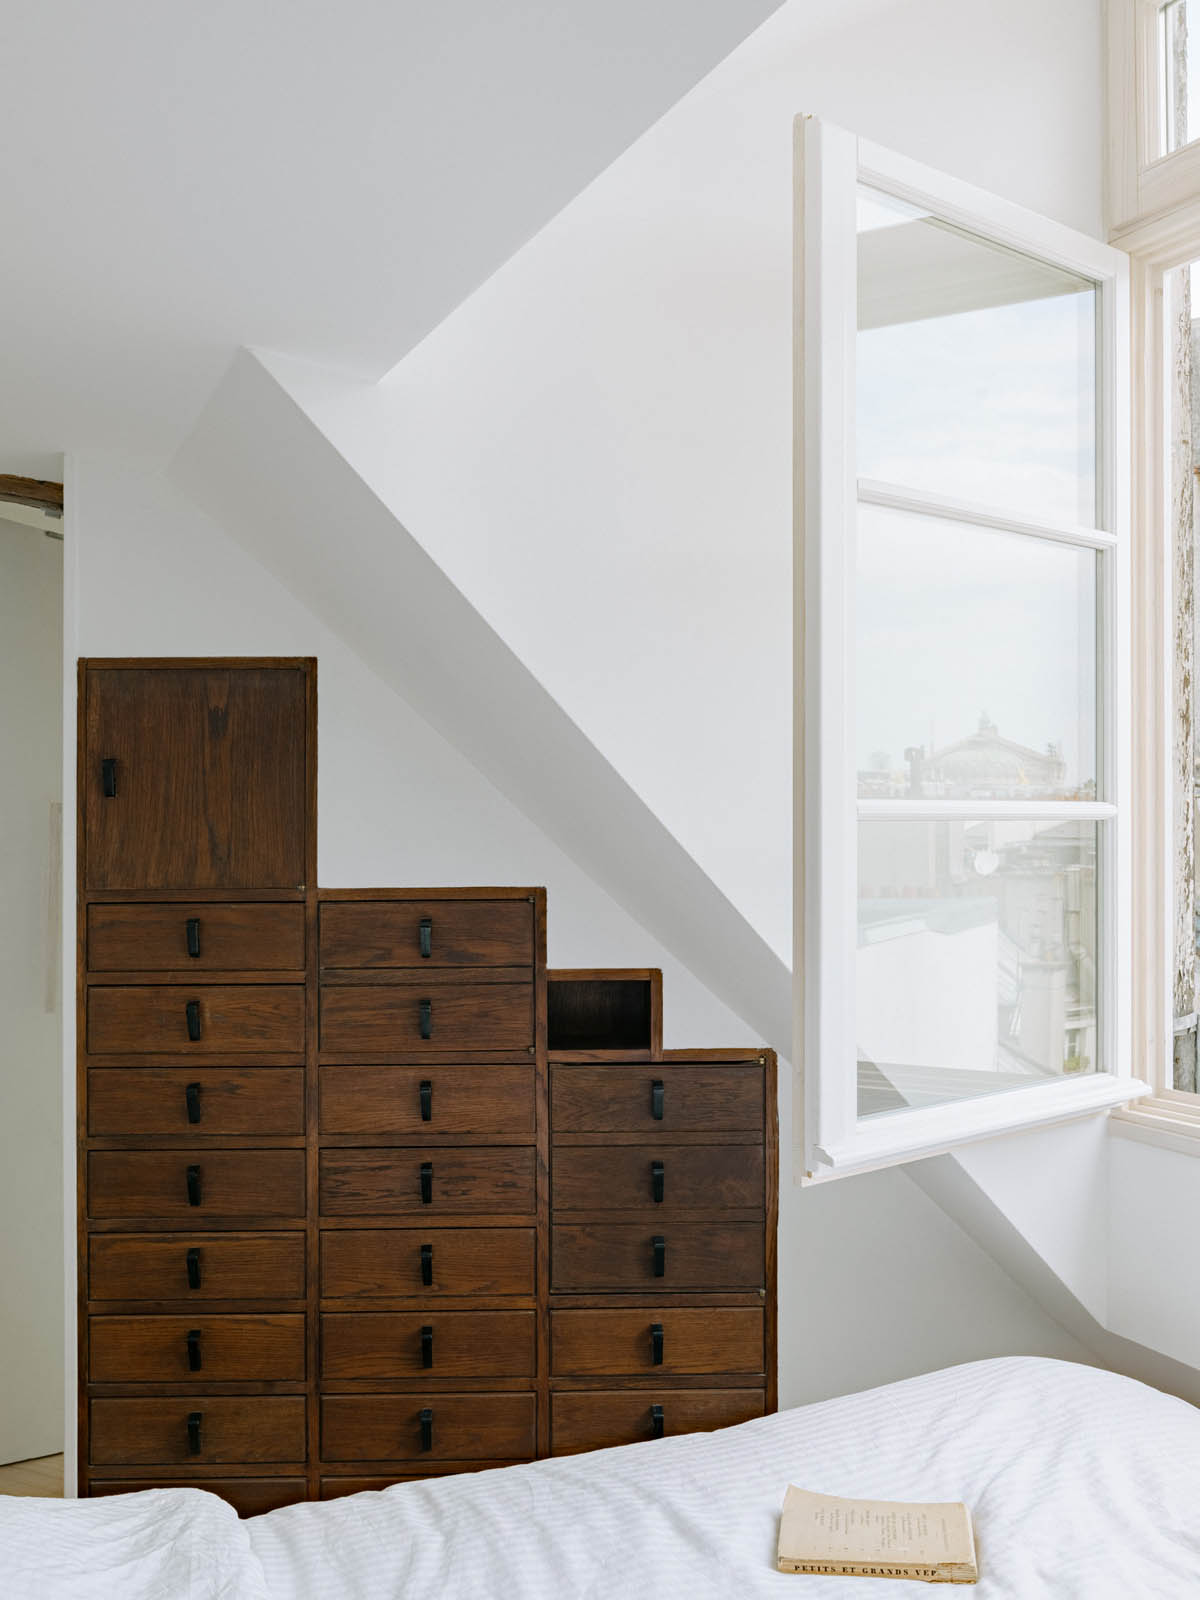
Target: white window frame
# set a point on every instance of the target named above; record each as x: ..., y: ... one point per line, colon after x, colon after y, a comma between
x: 1154, y: 215
x: 830, y: 163
x: 1142, y: 182
x: 1156, y: 248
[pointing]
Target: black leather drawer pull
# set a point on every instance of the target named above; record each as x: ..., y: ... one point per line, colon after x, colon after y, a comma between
x: 192, y: 1096
x: 656, y: 1099
x: 427, y: 1345
x: 425, y: 1418
x: 193, y: 1350
x: 194, y: 1190
x: 108, y: 777
x: 193, y: 1019
x: 657, y: 1422
x: 194, y: 1421
x: 426, y: 1100
x: 659, y: 1246
x: 425, y: 937
x: 427, y: 1183
x: 427, y: 1265
x: 658, y: 1181
x: 656, y: 1344
x: 193, y: 936
x: 193, y: 1268
x: 426, y: 1019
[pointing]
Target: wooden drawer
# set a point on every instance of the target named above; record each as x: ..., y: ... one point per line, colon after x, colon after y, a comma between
x: 338, y: 1488
x: 228, y: 1183
x: 195, y: 1100
x: 689, y: 1340
x: 623, y: 1099
x: 356, y: 1182
x: 148, y: 1019
x: 380, y: 1263
x: 249, y: 1497
x: 432, y: 1345
x: 378, y: 1100
x: 227, y: 1266
x: 464, y: 1427
x: 695, y: 1255
x: 390, y: 1018
x: 231, y: 1349
x: 460, y: 933
x: 624, y: 1177
x: 227, y: 938
x: 596, y: 1420
x: 247, y: 1428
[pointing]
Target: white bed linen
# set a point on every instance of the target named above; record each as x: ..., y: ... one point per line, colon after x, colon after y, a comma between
x: 1083, y: 1485
x: 163, y: 1544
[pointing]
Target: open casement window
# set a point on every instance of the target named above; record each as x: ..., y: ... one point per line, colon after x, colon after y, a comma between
x: 962, y: 951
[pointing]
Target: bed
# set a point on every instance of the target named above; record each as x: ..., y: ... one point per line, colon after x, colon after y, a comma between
x: 1083, y: 1484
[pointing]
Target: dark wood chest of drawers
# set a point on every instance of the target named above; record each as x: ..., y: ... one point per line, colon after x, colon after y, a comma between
x: 346, y: 1214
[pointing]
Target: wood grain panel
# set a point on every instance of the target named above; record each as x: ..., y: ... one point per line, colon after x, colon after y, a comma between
x: 233, y: 1183
x: 149, y: 1019
x: 494, y: 1100
x: 386, y: 1018
x: 462, y: 933
x: 466, y: 1427
x: 241, y: 1100
x: 591, y: 1178
x: 260, y: 937
x: 210, y: 777
x: 230, y: 1266
x: 231, y: 1349
x: 249, y: 1497
x: 619, y: 1099
x: 598, y: 1420
x: 361, y: 1182
x: 244, y: 1428
x: 697, y: 1255
x: 701, y: 1339
x: 381, y: 1263
x: 463, y: 1344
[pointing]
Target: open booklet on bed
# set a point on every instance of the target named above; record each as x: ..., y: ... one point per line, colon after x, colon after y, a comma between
x: 820, y: 1533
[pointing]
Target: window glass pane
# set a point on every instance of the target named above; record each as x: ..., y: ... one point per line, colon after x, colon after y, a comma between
x: 976, y: 662
x: 976, y: 963
x: 976, y: 367
x: 1179, y: 29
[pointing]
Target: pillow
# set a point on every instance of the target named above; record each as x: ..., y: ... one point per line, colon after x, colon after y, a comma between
x: 159, y: 1544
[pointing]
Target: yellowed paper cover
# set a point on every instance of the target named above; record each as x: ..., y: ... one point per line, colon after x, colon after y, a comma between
x: 820, y: 1533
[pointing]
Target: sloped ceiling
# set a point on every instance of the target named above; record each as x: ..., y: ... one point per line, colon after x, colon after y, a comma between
x: 327, y: 180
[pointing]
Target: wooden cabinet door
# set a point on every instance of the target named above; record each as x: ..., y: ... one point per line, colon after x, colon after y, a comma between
x: 194, y: 777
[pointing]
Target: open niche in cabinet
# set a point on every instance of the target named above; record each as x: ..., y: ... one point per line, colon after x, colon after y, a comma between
x: 597, y: 1009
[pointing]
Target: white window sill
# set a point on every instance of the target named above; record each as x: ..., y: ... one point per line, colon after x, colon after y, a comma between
x: 1171, y: 1123
x: 910, y: 1136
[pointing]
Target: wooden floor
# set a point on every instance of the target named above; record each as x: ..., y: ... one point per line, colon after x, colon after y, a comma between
x: 42, y: 1477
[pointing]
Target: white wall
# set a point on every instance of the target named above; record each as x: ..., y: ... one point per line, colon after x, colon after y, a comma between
x: 596, y: 447
x: 31, y: 1214
x: 875, y: 1282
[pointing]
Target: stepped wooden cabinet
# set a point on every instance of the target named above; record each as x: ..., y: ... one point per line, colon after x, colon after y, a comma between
x: 365, y: 1193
